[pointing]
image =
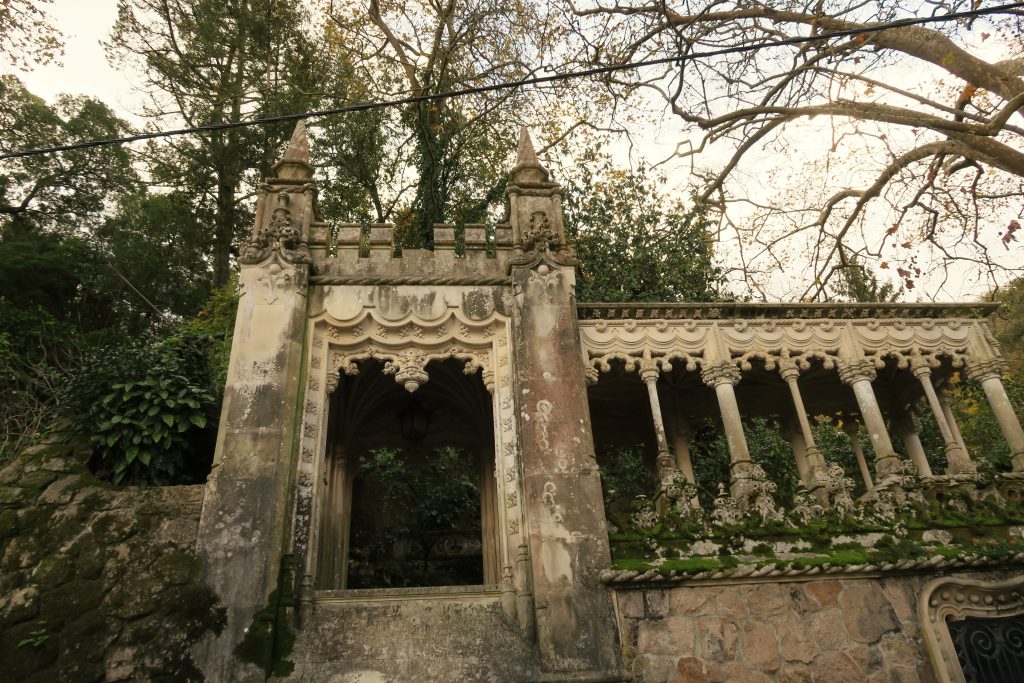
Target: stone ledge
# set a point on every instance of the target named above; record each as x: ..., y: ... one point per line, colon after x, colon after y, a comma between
x: 740, y: 309
x: 622, y: 578
x: 433, y: 593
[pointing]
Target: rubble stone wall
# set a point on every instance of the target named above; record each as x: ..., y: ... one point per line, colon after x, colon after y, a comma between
x: 96, y: 582
x: 836, y: 630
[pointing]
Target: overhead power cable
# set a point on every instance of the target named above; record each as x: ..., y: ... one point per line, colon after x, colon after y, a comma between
x: 509, y: 85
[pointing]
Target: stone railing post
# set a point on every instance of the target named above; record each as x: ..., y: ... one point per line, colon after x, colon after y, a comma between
x: 988, y: 374
x: 958, y: 462
x: 722, y: 378
x: 858, y: 375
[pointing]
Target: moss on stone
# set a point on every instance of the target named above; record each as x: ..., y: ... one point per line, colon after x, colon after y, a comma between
x: 269, y: 639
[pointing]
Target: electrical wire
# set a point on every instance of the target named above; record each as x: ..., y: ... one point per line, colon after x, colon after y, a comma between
x: 596, y: 71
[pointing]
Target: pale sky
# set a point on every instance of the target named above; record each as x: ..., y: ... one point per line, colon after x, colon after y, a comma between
x: 84, y: 70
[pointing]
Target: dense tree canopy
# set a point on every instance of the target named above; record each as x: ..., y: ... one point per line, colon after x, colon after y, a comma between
x: 933, y: 122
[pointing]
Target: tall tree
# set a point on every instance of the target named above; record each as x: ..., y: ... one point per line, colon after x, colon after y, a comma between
x: 914, y: 128
x: 634, y: 243
x: 214, y: 62
x: 26, y: 35
x: 63, y: 192
x: 453, y: 151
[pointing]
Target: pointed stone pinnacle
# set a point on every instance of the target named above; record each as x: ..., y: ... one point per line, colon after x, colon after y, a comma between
x: 526, y: 156
x: 298, y: 146
x: 528, y: 168
x: 294, y: 165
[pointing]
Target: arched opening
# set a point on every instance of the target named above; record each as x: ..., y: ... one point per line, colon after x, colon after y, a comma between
x: 409, y: 496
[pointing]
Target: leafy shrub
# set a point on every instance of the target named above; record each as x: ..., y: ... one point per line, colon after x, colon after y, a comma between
x: 150, y: 420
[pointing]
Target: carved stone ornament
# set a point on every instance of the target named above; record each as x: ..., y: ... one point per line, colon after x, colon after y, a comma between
x: 953, y: 599
x: 280, y: 235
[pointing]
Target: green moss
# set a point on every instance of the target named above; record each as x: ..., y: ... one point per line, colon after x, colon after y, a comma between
x: 270, y: 639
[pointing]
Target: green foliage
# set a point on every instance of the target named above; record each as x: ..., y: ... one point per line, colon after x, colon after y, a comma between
x: 636, y: 244
x: 35, y: 638
x: 624, y: 474
x: 398, y: 502
x: 150, y: 422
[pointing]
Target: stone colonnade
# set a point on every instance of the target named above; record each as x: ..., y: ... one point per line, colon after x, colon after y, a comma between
x: 854, y: 341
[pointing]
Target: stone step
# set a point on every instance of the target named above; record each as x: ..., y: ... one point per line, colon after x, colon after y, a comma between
x: 384, y: 636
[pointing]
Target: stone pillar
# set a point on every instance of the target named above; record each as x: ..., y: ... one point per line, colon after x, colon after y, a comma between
x: 958, y: 462
x: 858, y: 375
x: 852, y: 428
x: 947, y: 410
x: 568, y: 538
x: 816, y: 476
x: 988, y: 374
x: 790, y: 431
x: 666, y: 466
x: 722, y: 378
x: 247, y: 508
x: 903, y: 427
x: 681, y: 433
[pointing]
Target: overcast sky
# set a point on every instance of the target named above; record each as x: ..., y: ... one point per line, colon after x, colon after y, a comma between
x: 86, y: 24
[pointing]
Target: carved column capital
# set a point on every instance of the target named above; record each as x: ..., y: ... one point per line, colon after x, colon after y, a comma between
x: 649, y: 371
x: 855, y: 371
x: 979, y: 371
x: 788, y: 370
x: 721, y: 373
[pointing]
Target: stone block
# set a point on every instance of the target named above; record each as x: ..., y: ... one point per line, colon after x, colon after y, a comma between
x: 794, y: 674
x: 631, y: 604
x: 766, y: 600
x: 829, y: 630
x: 657, y: 603
x: 760, y: 647
x: 866, y: 611
x: 695, y: 670
x: 836, y: 667
x: 795, y: 644
x: 673, y: 635
x: 691, y: 600
x: 716, y: 638
x: 655, y: 668
x: 734, y: 671
x: 825, y: 592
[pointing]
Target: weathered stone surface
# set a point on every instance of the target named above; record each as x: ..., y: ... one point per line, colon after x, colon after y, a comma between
x: 825, y: 593
x: 795, y: 644
x: 836, y: 667
x: 866, y: 611
x: 760, y: 647
x: 765, y: 601
x: 717, y: 638
x: 695, y: 670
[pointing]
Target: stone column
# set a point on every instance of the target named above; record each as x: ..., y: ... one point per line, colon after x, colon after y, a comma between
x: 947, y: 410
x: 903, y: 427
x: 681, y: 433
x: 858, y: 375
x: 666, y: 466
x: 816, y: 478
x: 568, y: 538
x: 852, y: 428
x: 958, y: 462
x: 722, y: 378
x: 790, y: 431
x: 247, y: 509
x: 988, y: 374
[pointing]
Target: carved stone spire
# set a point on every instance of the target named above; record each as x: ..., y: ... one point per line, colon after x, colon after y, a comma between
x: 528, y: 168
x: 295, y: 165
